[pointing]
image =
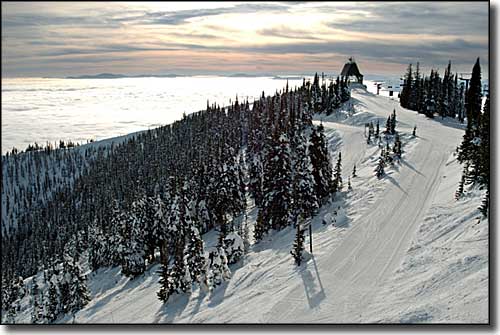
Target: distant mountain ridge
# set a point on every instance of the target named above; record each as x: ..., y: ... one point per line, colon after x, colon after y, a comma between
x: 115, y: 76
x: 173, y: 75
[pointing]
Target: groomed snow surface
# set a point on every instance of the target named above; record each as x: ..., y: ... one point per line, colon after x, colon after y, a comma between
x: 401, y: 249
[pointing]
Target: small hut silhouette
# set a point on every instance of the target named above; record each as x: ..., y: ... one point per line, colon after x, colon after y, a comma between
x: 351, y: 71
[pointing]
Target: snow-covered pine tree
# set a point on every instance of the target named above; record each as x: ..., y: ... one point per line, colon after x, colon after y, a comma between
x: 224, y: 199
x: 304, y: 194
x: 470, y: 148
x: 64, y: 284
x: 393, y: 122
x: 14, y: 298
x: 78, y: 291
x: 345, y: 92
x: 219, y: 271
x: 379, y: 170
x: 12, y: 313
x: 387, y: 153
x: 277, y: 204
x: 483, y: 164
x: 397, y: 147
x: 461, y: 184
x: 161, y: 225
x: 176, y: 278
x: 51, y: 300
x: 316, y: 95
x: 37, y: 316
x: 245, y: 234
x: 407, y: 88
x: 337, y: 175
x: 354, y: 171
x: 333, y: 102
x: 349, y: 186
x: 388, y: 125
x: 474, y: 98
x: 484, y: 140
x: 371, y: 129
x: 234, y: 247
x: 164, y: 292
x: 416, y: 91
x: 321, y: 163
x: 255, y: 170
x: 298, y: 244
x: 133, y: 255
x: 459, y: 105
x: 194, y: 254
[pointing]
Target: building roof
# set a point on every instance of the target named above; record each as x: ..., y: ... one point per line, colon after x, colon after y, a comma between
x: 350, y: 69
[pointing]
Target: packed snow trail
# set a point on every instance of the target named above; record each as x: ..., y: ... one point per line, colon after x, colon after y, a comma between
x: 375, y: 246
x: 350, y: 264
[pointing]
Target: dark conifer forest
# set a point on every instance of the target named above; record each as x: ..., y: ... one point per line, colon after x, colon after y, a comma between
x: 445, y: 97
x: 148, y: 198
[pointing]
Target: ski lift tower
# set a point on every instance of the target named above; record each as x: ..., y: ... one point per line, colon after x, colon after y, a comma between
x: 465, y: 76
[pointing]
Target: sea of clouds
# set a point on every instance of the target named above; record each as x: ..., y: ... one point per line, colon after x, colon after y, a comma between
x: 50, y: 109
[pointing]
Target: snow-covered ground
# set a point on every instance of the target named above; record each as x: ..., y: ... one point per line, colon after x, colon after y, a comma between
x: 405, y: 250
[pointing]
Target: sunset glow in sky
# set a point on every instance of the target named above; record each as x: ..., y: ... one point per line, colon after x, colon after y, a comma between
x: 60, y: 39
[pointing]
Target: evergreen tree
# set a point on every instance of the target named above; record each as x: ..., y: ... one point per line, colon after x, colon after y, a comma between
x: 337, y: 177
x: 37, y: 316
x: 52, y: 300
x: 397, y: 147
x: 393, y: 122
x: 483, y: 165
x: 316, y: 95
x: 470, y: 149
x: 354, y: 171
x: 174, y: 279
x: 483, y: 160
x: 277, y: 204
x: 164, y: 293
x: 133, y: 254
x: 78, y: 289
x: 298, y: 244
x: 234, y: 247
x: 485, y: 204
x: 407, y: 88
x: 321, y: 163
x: 219, y: 271
x: 195, y: 254
x: 415, y: 102
x: 459, y: 102
x: 460, y: 190
x: 474, y: 95
x: 379, y: 170
x: 304, y: 191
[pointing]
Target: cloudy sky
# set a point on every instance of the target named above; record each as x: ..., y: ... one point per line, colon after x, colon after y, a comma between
x: 60, y: 39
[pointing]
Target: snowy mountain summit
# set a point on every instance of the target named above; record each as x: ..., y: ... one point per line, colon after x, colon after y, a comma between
x: 394, y: 247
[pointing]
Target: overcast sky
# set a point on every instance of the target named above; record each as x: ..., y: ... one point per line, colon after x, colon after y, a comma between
x: 64, y: 38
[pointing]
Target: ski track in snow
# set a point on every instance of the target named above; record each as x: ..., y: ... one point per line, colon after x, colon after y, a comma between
x: 341, y: 282
x: 374, y: 248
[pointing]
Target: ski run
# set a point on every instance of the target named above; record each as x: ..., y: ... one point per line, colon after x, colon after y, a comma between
x: 397, y: 249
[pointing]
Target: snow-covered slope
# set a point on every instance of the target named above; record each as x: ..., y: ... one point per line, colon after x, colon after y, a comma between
x: 405, y: 251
